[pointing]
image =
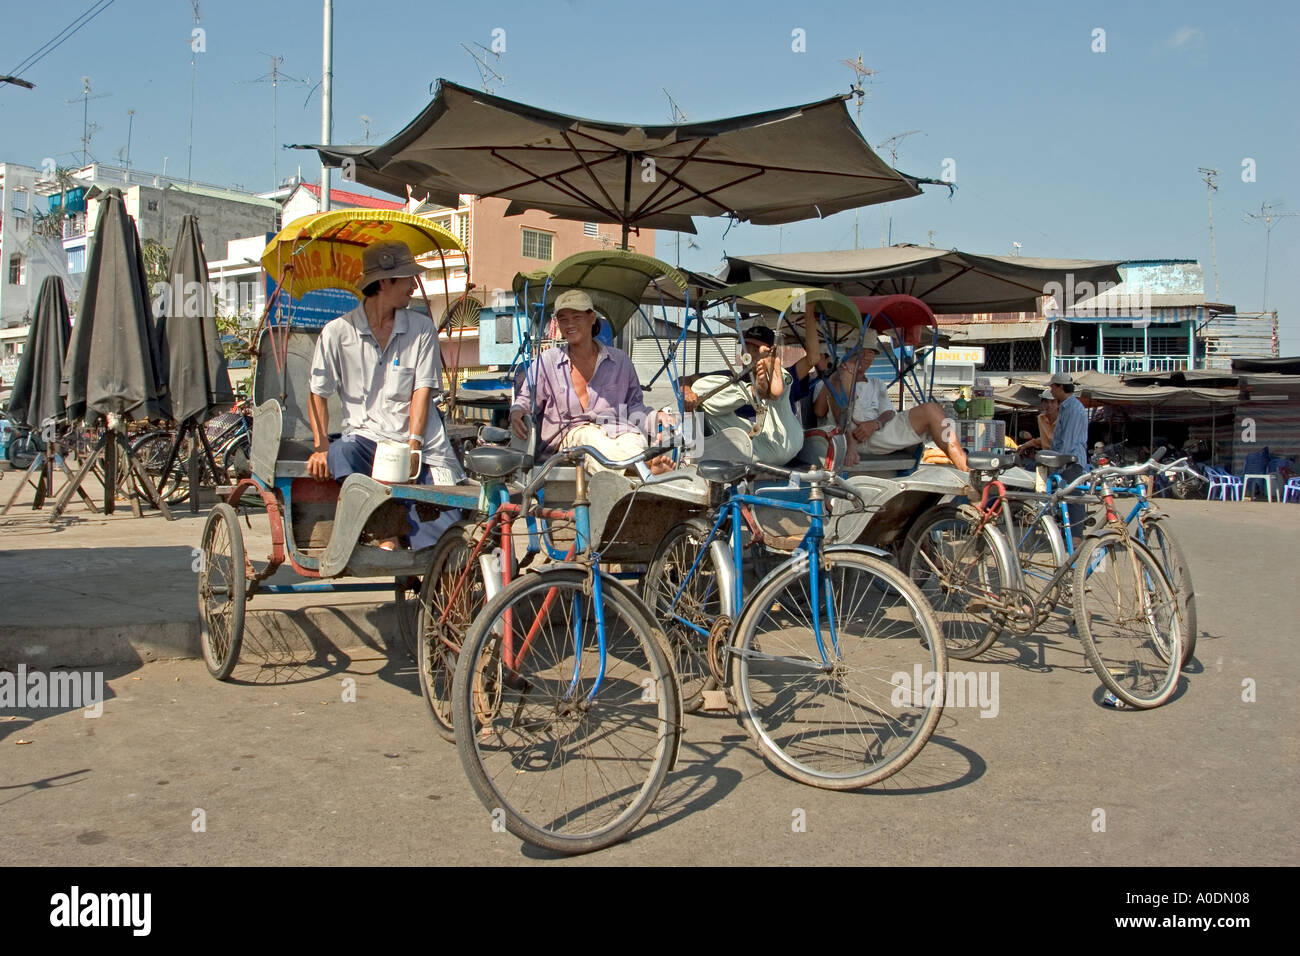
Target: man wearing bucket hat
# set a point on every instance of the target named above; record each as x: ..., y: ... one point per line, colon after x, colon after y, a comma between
x: 584, y: 392
x: 383, y: 361
x: 1049, y: 409
x: 1071, y: 437
x: 874, y: 426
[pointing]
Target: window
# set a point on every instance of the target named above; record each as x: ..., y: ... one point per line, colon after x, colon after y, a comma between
x: 17, y: 274
x: 591, y: 229
x: 537, y: 245
x: 76, y: 260
x: 444, y: 222
x: 505, y: 329
x: 152, y: 205
x: 20, y: 204
x: 462, y: 228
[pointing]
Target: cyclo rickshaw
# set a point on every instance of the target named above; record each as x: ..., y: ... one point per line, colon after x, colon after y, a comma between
x: 316, y: 526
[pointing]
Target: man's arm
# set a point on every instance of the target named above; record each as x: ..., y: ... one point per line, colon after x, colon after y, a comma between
x: 811, y: 348
x: 318, y: 416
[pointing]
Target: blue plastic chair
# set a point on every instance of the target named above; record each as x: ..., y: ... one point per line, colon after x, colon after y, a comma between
x: 1226, y: 483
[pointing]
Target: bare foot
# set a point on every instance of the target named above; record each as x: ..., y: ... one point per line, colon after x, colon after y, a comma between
x: 661, y: 464
x: 388, y: 544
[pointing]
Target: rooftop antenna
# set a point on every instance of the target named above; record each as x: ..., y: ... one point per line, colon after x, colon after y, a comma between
x: 485, y: 70
x: 88, y: 129
x: 891, y: 144
x: 275, y: 76
x: 194, y: 69
x: 130, y: 128
x: 860, y: 94
x: 1015, y: 248
x: 1210, y: 187
x: 678, y: 116
x: 1268, y: 216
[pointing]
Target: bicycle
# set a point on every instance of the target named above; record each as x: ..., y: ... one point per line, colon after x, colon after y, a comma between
x: 227, y: 438
x: 815, y: 650
x: 1125, y: 610
x: 567, y: 712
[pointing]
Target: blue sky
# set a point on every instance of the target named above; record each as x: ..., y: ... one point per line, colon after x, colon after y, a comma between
x: 1067, y: 151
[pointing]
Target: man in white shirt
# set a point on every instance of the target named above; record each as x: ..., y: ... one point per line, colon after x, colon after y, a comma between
x: 383, y: 361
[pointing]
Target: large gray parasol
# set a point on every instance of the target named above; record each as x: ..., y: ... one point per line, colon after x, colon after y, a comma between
x: 198, y: 381
x: 35, y: 397
x: 113, y: 370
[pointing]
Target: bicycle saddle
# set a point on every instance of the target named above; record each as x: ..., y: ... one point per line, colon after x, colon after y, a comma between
x: 1054, y: 459
x: 491, y: 461
x: 986, y: 462
x: 723, y: 472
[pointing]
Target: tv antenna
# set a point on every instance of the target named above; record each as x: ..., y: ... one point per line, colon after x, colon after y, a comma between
x: 485, y: 70
x: 365, y: 123
x: 88, y: 129
x: 679, y: 114
x: 1268, y: 216
x: 275, y: 76
x: 891, y: 144
x: 194, y: 69
x: 859, y: 93
x: 1210, y: 188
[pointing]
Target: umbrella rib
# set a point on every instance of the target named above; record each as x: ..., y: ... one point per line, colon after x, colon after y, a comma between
x: 572, y: 191
x: 670, y: 177
x: 708, y: 197
x: 578, y: 156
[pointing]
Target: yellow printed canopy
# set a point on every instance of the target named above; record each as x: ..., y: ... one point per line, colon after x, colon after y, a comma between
x: 323, y: 250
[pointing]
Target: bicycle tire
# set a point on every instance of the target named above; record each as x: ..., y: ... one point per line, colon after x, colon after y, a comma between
x: 222, y: 558
x: 531, y: 730
x: 700, y: 603
x: 151, y: 449
x: 1169, y: 553
x: 1128, y: 620
x: 884, y: 630
x: 955, y: 578
x: 441, y: 628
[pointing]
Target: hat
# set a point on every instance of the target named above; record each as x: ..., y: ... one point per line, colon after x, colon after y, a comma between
x: 869, y: 340
x: 1061, y: 378
x: 574, y: 299
x: 1047, y: 394
x: 761, y: 333
x: 387, y: 260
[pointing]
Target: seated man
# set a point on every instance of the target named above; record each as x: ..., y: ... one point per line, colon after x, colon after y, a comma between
x: 874, y: 427
x: 776, y: 432
x: 585, y: 393
x: 384, y: 362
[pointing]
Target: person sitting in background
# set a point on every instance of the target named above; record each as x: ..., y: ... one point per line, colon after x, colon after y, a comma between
x: 585, y: 393
x: 875, y: 428
x: 1048, y: 410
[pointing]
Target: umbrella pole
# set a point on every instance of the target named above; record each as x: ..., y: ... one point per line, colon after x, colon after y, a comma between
x: 80, y: 476
x: 37, y: 462
x: 134, y: 464
x: 110, y: 472
x: 208, y: 457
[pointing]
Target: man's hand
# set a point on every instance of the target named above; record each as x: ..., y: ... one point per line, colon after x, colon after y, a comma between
x: 517, y: 424
x: 690, y: 401
x: 416, y: 461
x: 863, y: 430
x: 318, y: 466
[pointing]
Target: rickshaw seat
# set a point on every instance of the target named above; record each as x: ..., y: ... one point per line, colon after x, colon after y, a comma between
x: 723, y: 472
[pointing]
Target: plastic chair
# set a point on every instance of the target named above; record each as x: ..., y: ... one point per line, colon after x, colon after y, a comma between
x: 1291, y: 491
x: 1226, y: 483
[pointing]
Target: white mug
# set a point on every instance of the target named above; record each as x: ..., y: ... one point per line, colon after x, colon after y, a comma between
x: 393, y: 462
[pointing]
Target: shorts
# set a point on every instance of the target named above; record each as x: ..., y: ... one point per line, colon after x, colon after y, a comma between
x: 625, y: 446
x: 896, y: 434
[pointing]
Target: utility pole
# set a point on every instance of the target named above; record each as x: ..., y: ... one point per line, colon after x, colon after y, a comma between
x: 1267, y: 216
x: 1210, y: 186
x: 194, y: 70
x: 892, y: 145
x: 327, y: 100
x: 859, y: 71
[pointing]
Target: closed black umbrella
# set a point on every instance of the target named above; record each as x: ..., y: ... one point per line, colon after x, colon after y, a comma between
x: 35, y: 396
x: 113, y: 370
x: 198, y: 382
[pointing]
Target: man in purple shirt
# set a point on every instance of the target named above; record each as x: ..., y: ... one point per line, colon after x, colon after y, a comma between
x: 585, y: 393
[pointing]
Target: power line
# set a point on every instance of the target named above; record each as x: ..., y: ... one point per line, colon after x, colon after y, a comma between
x: 46, y: 48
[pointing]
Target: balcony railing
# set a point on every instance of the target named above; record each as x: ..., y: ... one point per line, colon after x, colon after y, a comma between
x: 1120, y: 364
x: 74, y: 226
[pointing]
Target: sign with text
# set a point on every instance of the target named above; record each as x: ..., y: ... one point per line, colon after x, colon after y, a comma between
x: 313, y: 310
x: 973, y: 356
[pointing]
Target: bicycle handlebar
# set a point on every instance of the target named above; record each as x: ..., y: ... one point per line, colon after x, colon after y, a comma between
x: 574, y: 456
x: 1111, y: 471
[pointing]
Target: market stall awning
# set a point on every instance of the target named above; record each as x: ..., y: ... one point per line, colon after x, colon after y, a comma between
x: 1112, y: 390
x: 946, y: 280
x: 778, y: 166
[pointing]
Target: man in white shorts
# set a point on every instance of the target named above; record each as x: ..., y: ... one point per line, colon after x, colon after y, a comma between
x: 875, y: 428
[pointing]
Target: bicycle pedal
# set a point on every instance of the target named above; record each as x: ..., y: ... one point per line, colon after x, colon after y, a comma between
x: 715, y: 700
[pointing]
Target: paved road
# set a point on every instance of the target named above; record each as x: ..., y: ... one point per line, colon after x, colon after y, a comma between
x: 286, y: 772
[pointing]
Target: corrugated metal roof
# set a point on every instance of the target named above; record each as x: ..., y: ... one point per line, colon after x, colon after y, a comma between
x: 227, y: 194
x: 996, y: 331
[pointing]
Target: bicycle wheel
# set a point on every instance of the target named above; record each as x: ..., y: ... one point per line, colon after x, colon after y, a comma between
x: 961, y: 575
x: 152, y: 449
x: 1165, y: 548
x: 687, y: 623
x: 222, y: 590
x: 1040, y: 548
x: 563, y: 761
x: 859, y: 714
x: 1128, y: 620
x: 448, y: 606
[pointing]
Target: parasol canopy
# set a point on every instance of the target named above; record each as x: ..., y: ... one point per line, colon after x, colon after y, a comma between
x: 617, y: 280
x: 323, y: 250
x: 113, y: 365
x: 946, y: 280
x: 35, y: 396
x: 198, y: 381
x: 781, y: 297
x: 773, y: 167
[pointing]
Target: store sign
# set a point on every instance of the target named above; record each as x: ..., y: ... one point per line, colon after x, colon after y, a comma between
x: 970, y: 356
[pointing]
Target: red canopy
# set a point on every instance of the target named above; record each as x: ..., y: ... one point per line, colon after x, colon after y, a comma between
x: 908, y: 314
